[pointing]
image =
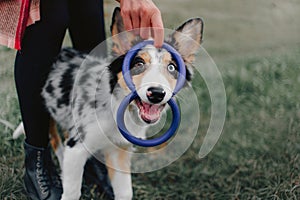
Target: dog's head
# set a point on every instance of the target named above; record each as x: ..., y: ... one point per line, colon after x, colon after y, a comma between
x: 154, y: 71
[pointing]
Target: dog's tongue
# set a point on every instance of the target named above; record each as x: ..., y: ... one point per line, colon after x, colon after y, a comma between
x: 150, y: 113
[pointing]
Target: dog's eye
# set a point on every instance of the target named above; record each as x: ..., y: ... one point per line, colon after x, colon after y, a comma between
x: 138, y: 68
x: 139, y: 64
x: 171, y: 68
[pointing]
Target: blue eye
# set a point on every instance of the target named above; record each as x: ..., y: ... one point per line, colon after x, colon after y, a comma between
x: 171, y: 68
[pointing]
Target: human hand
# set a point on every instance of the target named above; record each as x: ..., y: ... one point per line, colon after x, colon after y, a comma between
x: 145, y: 16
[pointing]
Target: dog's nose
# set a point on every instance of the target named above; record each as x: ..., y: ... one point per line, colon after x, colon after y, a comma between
x: 155, y: 94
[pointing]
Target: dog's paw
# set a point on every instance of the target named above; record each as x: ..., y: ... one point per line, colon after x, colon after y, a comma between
x: 124, y: 195
x: 70, y: 196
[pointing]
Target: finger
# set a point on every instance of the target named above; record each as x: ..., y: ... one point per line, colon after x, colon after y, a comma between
x: 145, y: 28
x: 158, y: 30
x: 135, y: 18
x: 127, y: 21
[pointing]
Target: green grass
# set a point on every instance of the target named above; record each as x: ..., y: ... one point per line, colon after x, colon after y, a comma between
x: 258, y: 154
x: 256, y: 45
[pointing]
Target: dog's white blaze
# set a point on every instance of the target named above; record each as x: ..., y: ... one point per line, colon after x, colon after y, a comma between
x: 154, y: 54
x: 155, y: 76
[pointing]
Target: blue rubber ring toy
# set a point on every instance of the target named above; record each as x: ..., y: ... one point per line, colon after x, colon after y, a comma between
x: 133, y: 95
x: 151, y: 142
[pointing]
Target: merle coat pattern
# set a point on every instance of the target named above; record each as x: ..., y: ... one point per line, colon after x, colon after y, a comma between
x: 83, y: 92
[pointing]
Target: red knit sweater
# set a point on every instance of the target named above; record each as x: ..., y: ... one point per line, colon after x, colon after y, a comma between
x: 15, y: 15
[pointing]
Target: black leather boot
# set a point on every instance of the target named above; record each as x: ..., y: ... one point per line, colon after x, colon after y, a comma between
x: 52, y: 169
x: 40, y: 180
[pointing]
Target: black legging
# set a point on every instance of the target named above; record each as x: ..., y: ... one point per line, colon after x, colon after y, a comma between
x: 40, y: 45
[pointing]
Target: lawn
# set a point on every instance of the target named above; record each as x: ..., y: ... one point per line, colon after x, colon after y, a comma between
x: 256, y: 46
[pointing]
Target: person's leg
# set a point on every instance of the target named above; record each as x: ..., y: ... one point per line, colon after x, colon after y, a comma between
x: 40, y: 45
x: 86, y: 28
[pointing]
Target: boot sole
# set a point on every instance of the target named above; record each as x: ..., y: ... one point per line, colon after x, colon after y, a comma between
x: 30, y: 194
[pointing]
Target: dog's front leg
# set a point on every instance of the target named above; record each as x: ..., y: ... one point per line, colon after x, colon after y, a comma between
x: 72, y: 171
x: 118, y: 166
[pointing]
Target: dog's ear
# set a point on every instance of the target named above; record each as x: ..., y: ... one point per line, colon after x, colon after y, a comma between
x: 187, y: 38
x: 122, y: 40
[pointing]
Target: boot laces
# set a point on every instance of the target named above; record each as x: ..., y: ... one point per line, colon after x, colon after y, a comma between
x: 42, y: 175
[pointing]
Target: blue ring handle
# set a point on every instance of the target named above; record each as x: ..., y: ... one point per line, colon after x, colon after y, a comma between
x: 176, y: 56
x: 133, y: 95
x: 151, y: 142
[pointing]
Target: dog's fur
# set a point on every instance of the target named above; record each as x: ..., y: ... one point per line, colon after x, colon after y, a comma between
x: 99, y: 90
